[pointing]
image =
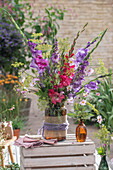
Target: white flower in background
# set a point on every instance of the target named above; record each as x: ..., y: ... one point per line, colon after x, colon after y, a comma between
x: 33, y: 82
x: 99, y: 119
x: 5, y: 124
x: 90, y: 71
x: 83, y: 102
x: 2, y: 140
x: 23, y: 79
x: 71, y: 61
x: 111, y: 137
x: 85, y: 94
x: 69, y: 88
x: 24, y: 90
x: 70, y: 100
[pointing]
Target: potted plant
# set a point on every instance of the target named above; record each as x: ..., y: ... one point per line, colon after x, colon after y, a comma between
x: 17, y: 124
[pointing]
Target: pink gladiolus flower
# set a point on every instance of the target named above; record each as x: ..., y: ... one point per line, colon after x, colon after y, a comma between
x: 99, y: 119
x: 51, y: 92
x: 55, y: 96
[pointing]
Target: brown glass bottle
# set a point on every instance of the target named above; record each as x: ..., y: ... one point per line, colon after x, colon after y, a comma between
x: 81, y: 132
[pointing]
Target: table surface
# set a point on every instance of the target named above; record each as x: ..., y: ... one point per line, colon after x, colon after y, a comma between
x: 70, y: 140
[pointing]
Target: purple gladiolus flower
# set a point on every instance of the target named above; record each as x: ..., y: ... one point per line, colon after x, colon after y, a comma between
x: 39, y: 63
x: 81, y: 54
x: 92, y: 86
x: 55, y: 55
x: 98, y: 81
x: 33, y: 64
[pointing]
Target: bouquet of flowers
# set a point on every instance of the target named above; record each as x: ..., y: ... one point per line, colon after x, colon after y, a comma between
x: 58, y: 75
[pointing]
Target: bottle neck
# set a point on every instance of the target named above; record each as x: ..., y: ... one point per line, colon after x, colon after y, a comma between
x: 81, y: 122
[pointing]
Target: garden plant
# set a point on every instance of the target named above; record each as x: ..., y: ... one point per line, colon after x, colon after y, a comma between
x: 103, y: 101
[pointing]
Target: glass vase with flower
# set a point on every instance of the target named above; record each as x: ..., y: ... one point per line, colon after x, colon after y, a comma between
x: 105, y: 138
x: 81, y: 112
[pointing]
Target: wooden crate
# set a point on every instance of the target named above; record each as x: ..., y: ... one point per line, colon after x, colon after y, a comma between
x: 65, y: 155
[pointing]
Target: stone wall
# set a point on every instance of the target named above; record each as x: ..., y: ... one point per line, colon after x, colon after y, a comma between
x: 98, y: 14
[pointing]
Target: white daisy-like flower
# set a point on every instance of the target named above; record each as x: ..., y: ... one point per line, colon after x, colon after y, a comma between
x: 70, y: 100
x: 5, y: 124
x: 99, y: 119
x: 25, y: 89
x: 90, y: 71
x: 33, y: 82
x: 69, y: 88
x: 71, y: 62
x: 85, y: 94
x: 83, y: 102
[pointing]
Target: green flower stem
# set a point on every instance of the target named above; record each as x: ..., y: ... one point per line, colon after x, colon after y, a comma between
x: 101, y: 35
x: 105, y: 75
x: 96, y: 44
x: 75, y: 39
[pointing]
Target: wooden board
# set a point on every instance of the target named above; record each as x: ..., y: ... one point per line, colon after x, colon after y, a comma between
x: 65, y: 155
x: 59, y: 161
x: 66, y: 168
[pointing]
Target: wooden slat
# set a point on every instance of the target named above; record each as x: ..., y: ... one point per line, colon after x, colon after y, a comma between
x: 59, y: 151
x: 58, y: 161
x: 69, y: 139
x: 67, y: 168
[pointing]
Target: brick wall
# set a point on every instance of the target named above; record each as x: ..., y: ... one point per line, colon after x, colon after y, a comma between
x: 98, y: 14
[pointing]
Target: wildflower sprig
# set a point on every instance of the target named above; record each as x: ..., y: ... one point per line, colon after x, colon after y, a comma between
x: 105, y: 139
x: 93, y: 108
